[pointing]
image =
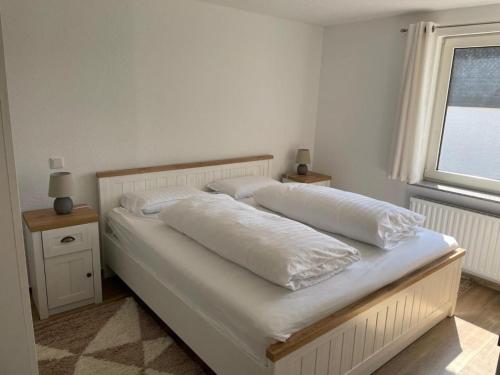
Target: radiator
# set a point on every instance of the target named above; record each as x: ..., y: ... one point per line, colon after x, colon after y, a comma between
x: 476, y: 232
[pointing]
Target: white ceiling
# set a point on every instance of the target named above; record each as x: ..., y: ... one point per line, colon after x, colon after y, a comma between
x: 329, y: 12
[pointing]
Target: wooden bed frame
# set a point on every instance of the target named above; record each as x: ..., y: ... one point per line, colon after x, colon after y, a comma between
x: 355, y: 340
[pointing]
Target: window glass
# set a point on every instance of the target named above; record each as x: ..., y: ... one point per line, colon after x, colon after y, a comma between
x: 470, y: 143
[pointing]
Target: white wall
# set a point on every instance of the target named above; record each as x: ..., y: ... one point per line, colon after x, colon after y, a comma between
x: 17, y: 344
x: 123, y: 83
x: 359, y: 92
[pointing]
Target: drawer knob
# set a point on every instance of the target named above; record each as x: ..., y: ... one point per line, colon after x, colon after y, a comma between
x: 67, y: 239
x: 89, y: 274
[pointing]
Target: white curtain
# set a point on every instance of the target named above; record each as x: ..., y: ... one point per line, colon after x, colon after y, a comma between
x: 410, y: 148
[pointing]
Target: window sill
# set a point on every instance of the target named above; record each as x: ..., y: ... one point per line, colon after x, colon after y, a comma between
x: 488, y: 197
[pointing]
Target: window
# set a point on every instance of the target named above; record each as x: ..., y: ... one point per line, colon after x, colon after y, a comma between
x: 464, y: 147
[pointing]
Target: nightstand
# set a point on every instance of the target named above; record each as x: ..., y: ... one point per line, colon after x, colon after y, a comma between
x: 310, y: 178
x: 64, y: 265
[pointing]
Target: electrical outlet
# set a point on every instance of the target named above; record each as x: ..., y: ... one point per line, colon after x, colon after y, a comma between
x: 56, y: 162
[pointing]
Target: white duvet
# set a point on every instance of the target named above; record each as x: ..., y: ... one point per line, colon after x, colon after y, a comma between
x: 336, y: 211
x: 249, y: 310
x: 280, y: 250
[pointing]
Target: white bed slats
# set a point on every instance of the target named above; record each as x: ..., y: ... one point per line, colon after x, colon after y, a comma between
x: 112, y: 188
x: 190, y: 177
x: 351, y: 347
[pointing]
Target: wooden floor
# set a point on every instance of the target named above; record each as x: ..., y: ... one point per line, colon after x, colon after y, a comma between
x: 465, y: 344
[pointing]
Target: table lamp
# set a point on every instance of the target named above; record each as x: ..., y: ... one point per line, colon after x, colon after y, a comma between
x: 61, y: 187
x: 303, y: 158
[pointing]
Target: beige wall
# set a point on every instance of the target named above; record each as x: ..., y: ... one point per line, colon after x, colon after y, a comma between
x: 359, y: 92
x: 17, y: 343
x: 122, y: 83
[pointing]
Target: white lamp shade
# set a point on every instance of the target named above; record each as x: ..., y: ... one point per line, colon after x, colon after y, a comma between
x: 303, y: 156
x: 61, y: 185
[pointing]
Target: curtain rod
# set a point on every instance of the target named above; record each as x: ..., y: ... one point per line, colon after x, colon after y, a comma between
x: 456, y: 25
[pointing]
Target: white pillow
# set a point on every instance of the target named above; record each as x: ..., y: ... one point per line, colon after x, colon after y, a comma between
x: 151, y: 202
x: 241, y: 187
x: 352, y: 215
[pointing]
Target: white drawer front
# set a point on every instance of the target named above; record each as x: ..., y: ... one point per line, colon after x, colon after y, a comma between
x: 66, y: 240
x: 70, y: 278
x: 322, y: 183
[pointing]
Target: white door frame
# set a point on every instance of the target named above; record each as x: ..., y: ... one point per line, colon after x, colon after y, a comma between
x: 17, y: 342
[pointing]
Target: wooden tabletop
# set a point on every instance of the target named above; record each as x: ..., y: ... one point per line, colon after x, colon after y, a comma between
x: 309, y: 178
x: 47, y: 219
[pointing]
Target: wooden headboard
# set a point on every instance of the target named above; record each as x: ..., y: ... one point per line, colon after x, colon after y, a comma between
x: 112, y: 184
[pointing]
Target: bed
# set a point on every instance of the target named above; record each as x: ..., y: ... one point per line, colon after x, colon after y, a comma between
x: 326, y: 330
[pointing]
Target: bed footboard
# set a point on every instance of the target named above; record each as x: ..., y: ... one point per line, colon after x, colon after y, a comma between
x: 362, y: 337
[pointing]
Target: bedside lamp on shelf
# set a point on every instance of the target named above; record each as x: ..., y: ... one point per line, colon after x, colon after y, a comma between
x: 61, y: 187
x: 303, y: 158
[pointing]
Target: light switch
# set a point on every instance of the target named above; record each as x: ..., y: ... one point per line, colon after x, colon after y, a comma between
x: 56, y: 162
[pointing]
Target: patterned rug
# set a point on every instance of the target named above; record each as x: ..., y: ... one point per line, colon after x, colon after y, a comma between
x: 117, y: 338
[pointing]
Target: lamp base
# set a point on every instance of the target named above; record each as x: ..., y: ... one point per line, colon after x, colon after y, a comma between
x: 302, y: 169
x: 63, y: 206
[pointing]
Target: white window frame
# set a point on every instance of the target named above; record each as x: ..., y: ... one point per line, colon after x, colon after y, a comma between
x: 463, y: 37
